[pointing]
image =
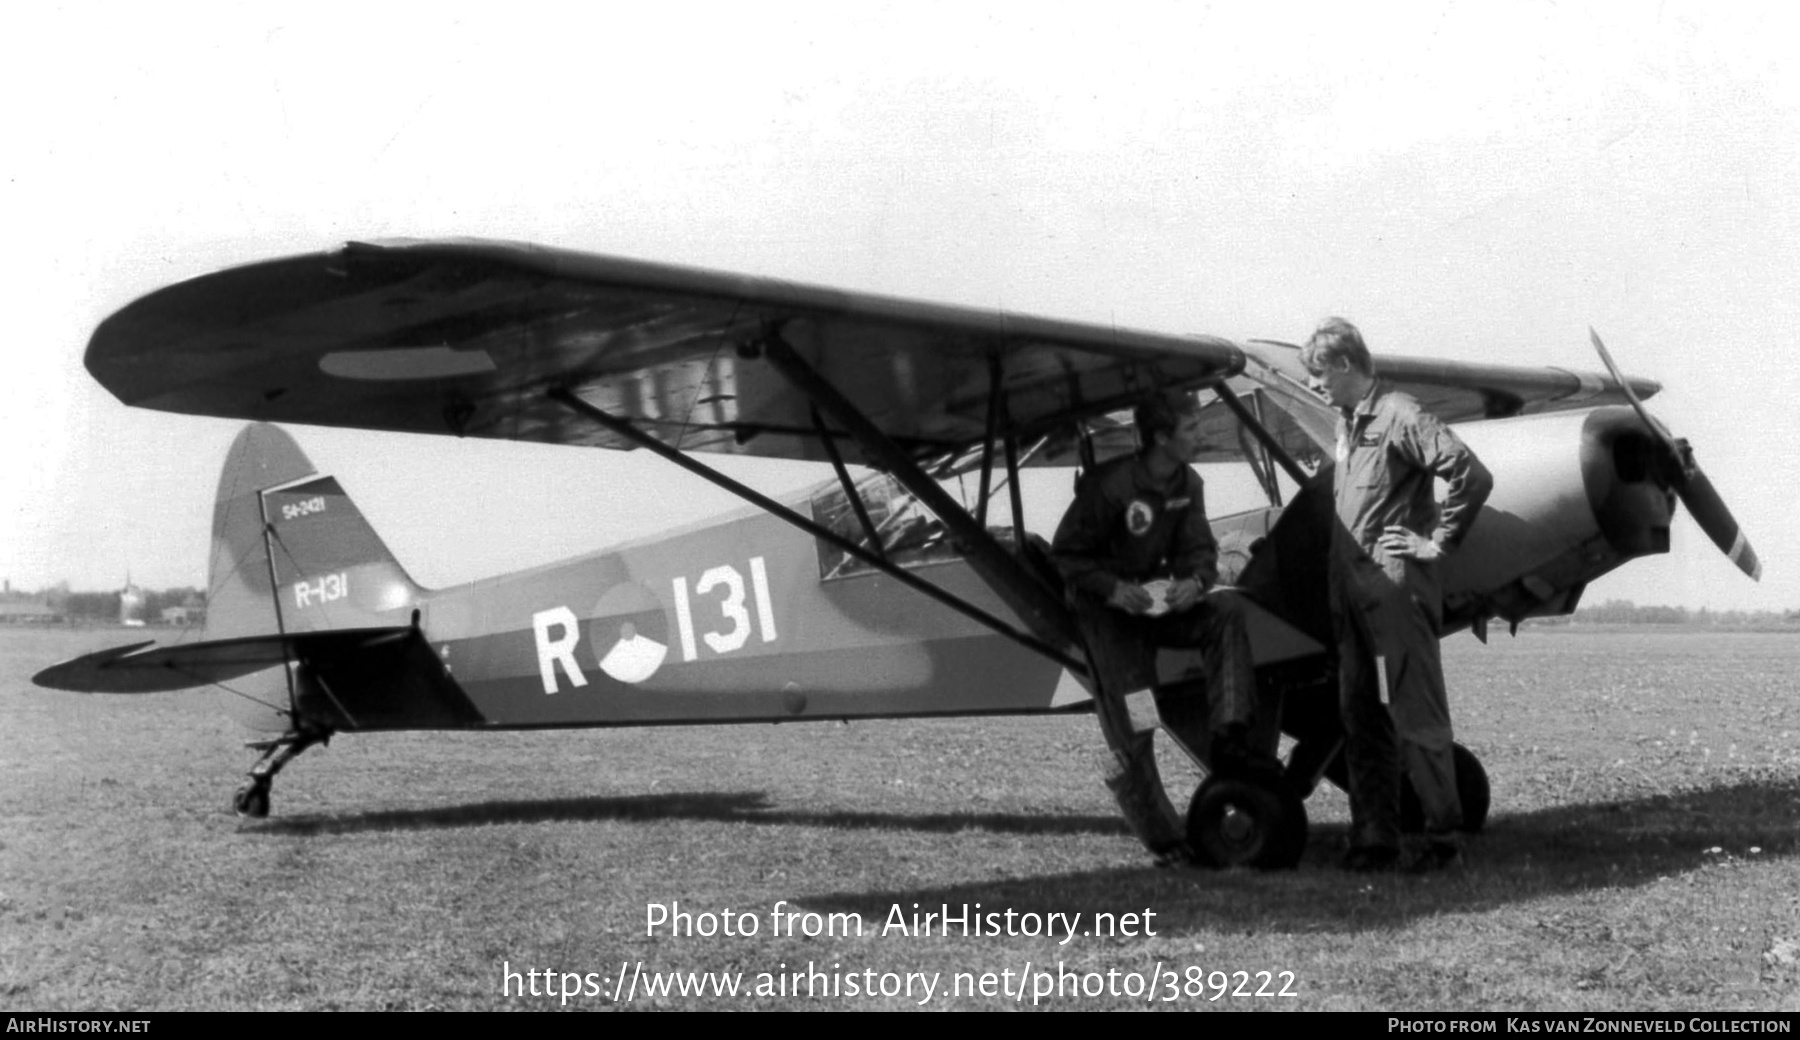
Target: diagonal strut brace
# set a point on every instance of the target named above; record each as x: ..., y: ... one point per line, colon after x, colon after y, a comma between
x: 1261, y: 433
x: 1042, y: 611
x: 1131, y: 772
x: 625, y: 429
x: 849, y: 486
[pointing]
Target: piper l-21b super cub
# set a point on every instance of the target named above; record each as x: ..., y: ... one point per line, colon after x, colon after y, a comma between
x: 885, y: 596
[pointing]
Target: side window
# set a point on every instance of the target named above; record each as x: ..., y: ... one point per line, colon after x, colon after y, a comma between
x: 909, y: 534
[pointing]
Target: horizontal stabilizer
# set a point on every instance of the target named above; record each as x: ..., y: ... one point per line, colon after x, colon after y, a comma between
x: 133, y: 669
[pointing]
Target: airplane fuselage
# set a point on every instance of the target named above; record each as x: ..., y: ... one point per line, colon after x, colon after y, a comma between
x: 750, y: 619
x: 728, y: 623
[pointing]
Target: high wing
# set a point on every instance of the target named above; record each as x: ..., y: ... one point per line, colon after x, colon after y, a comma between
x: 1454, y: 391
x: 471, y: 338
x: 1457, y: 391
x: 474, y: 338
x: 1273, y: 386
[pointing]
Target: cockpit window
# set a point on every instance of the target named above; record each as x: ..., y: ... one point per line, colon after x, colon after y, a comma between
x: 909, y: 535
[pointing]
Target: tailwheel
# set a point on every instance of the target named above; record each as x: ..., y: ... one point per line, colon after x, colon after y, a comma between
x: 1471, y: 789
x: 252, y: 799
x: 1242, y: 823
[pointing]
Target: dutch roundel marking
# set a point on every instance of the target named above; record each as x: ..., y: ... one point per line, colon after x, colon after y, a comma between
x: 629, y: 633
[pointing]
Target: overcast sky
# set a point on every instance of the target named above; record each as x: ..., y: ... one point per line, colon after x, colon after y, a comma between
x: 1479, y: 181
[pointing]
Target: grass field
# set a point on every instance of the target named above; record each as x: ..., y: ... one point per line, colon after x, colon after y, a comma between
x: 1641, y: 855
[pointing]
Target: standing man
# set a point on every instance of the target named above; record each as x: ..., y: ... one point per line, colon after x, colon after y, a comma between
x: 1386, y: 599
x: 1140, y: 560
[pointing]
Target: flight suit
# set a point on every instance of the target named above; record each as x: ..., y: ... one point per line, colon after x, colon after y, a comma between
x: 1125, y: 526
x: 1389, y: 450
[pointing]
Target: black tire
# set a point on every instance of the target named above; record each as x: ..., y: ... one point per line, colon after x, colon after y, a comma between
x: 1240, y: 823
x: 251, y: 800
x: 1471, y: 789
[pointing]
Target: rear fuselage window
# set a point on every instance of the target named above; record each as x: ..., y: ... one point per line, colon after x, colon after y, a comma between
x: 907, y: 533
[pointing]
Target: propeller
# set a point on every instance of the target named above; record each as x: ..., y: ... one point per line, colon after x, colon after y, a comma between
x: 1686, y: 479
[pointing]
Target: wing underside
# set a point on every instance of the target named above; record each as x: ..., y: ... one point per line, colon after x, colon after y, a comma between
x: 1454, y: 391
x: 477, y: 338
x: 1273, y: 388
x: 471, y: 338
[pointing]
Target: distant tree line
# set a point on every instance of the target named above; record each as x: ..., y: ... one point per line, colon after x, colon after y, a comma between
x: 104, y: 606
x: 1625, y: 612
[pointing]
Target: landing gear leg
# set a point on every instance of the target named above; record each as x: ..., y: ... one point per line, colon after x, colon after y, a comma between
x: 1248, y: 812
x: 252, y: 799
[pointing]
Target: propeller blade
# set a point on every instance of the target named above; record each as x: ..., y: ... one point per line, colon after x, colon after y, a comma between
x: 1612, y: 369
x: 1688, y: 481
x: 1708, y: 510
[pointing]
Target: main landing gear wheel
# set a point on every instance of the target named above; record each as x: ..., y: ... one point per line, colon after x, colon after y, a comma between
x: 1471, y: 789
x: 1240, y: 823
x: 252, y: 800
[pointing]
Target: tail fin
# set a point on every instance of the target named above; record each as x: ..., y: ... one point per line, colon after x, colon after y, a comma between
x: 291, y: 553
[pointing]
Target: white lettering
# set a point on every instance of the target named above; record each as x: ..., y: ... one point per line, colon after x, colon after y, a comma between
x: 684, y: 621
x: 296, y: 510
x: 327, y: 588
x: 732, y: 608
x: 765, y: 610
x: 560, y: 650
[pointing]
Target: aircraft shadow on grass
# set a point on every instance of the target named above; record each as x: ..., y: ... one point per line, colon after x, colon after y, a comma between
x: 716, y: 806
x: 1521, y: 856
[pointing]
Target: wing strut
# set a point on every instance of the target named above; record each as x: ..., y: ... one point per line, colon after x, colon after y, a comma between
x: 1264, y: 437
x: 1016, y: 496
x: 995, y: 400
x: 849, y: 486
x: 1262, y: 462
x: 1131, y: 774
x: 1043, y: 611
x: 630, y: 432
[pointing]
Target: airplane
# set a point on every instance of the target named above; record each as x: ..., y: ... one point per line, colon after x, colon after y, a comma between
x: 883, y: 593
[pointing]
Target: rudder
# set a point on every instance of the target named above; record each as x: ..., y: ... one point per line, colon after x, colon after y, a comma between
x: 292, y: 553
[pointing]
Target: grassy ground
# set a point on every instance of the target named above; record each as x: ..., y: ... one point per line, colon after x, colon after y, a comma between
x: 1641, y: 854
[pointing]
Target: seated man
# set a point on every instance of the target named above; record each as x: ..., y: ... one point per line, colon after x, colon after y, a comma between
x: 1140, y: 560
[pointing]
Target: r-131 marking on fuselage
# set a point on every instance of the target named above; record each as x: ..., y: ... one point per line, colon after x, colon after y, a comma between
x: 557, y: 630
